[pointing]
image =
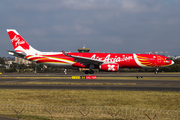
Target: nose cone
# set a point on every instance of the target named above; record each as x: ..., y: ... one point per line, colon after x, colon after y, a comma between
x: 172, y: 62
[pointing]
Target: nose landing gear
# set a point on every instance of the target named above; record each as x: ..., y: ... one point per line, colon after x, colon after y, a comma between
x: 156, y: 71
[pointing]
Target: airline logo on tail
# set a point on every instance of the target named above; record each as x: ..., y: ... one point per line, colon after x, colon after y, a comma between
x: 17, y: 40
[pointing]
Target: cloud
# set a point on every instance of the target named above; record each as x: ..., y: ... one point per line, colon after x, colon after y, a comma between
x: 137, y: 6
x: 46, y: 5
x: 77, y: 28
x: 37, y: 32
x: 107, y: 25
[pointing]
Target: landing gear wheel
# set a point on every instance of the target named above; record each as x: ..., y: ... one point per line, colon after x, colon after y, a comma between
x: 86, y: 72
x: 156, y: 71
x: 91, y: 72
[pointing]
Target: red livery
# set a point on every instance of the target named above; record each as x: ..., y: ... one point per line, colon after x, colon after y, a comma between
x: 104, y: 61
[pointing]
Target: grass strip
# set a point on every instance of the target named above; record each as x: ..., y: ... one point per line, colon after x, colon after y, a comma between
x: 7, y: 77
x: 137, y: 99
x: 129, y: 99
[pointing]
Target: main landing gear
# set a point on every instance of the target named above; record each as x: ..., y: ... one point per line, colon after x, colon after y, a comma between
x: 89, y: 71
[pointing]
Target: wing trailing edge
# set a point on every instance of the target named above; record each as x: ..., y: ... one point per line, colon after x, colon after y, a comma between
x: 84, y: 60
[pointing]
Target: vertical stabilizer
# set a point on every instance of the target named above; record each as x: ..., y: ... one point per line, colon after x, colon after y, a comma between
x: 19, y: 44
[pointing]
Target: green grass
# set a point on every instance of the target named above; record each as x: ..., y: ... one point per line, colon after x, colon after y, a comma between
x: 27, y: 117
x: 130, y: 99
x: 146, y: 99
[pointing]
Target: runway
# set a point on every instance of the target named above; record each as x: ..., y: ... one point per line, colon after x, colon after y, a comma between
x: 138, y: 84
x: 90, y: 87
x: 101, y: 74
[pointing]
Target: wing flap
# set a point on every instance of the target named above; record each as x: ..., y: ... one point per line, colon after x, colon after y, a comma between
x: 84, y: 60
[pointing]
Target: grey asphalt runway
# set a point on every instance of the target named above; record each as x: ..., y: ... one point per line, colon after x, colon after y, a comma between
x: 90, y: 87
x: 140, y: 84
x: 101, y: 74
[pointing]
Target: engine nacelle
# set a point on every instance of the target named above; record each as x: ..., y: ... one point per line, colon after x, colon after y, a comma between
x: 109, y: 67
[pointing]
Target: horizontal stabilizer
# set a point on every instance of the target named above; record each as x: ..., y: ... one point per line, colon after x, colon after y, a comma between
x: 13, y: 53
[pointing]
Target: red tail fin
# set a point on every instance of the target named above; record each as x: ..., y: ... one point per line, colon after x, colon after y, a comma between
x: 19, y: 44
x: 17, y: 40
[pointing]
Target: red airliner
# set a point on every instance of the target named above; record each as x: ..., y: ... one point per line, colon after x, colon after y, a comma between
x: 103, y: 61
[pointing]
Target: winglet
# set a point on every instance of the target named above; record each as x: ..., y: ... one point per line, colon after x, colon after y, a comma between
x: 64, y: 53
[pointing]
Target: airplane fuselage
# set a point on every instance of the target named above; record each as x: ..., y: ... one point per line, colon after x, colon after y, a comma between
x: 124, y: 60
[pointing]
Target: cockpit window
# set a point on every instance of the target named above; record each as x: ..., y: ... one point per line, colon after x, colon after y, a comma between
x: 167, y: 59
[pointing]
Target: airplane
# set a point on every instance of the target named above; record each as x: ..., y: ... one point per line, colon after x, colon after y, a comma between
x: 111, y: 62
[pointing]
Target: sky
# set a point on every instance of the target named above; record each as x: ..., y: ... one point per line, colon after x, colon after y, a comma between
x: 121, y: 26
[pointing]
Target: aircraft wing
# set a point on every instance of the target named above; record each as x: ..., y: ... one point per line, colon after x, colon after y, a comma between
x: 84, y: 60
x: 22, y: 55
